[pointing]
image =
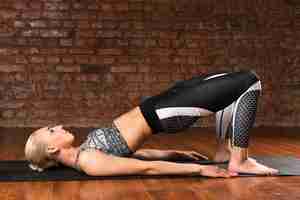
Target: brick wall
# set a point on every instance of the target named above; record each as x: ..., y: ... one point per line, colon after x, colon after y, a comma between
x: 84, y: 62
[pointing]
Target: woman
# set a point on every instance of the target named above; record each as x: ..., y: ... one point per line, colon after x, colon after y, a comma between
x: 115, y: 150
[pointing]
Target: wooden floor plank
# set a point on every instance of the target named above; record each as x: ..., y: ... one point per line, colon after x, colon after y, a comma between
x: 264, y: 141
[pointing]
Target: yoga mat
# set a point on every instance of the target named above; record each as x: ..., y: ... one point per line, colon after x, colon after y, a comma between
x: 18, y: 170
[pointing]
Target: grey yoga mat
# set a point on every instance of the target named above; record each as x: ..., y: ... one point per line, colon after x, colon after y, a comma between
x: 18, y: 170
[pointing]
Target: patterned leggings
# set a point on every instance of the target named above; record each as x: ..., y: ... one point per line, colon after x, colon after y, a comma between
x: 232, y: 96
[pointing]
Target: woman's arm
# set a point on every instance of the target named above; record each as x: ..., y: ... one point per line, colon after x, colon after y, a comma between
x: 167, y: 155
x: 97, y: 163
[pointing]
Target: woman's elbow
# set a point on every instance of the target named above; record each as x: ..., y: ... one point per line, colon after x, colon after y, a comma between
x: 91, y: 171
x: 119, y: 171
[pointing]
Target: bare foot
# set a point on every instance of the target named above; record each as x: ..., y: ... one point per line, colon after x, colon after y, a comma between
x: 251, y: 166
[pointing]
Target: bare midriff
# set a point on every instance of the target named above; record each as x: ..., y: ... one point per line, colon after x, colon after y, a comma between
x: 133, y: 127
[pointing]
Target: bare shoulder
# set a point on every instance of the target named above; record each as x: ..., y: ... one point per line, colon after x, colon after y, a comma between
x: 98, y: 163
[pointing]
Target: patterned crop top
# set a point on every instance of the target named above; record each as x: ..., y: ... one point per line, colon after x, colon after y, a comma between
x: 109, y: 140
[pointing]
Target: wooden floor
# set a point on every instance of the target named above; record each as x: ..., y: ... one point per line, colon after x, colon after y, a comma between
x: 264, y: 141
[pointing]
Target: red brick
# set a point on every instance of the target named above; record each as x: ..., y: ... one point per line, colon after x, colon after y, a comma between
x: 18, y: 5
x: 19, y: 24
x: 138, y: 60
x: 29, y: 41
x: 56, y: 15
x: 35, y: 5
x: 38, y: 24
x: 83, y: 15
x: 97, y: 25
x: 123, y: 59
x: 21, y: 60
x: 110, y: 52
x: 54, y: 33
x: 53, y: 60
x: 30, y: 33
x: 7, y: 59
x: 109, y: 34
x: 56, y: 6
x: 123, y: 68
x: 66, y: 42
x: 31, y: 15
x: 108, y: 60
x: 54, y: 24
x: 11, y: 68
x: 124, y: 25
x: 30, y: 51
x: 86, y: 33
x: 135, y: 34
x: 50, y: 42
x: 106, y: 7
x: 134, y: 77
x: 168, y: 35
x: 107, y: 24
x: 81, y: 51
x: 68, y: 24
x: 82, y: 59
x: 149, y: 78
x: 180, y: 60
x: 7, y: 13
x: 53, y: 51
x: 83, y: 24
x: 68, y: 60
x: 66, y: 68
x: 121, y: 7
x: 9, y: 51
x: 11, y: 104
x: 190, y: 52
x: 21, y: 114
x: 160, y: 51
x: 93, y: 6
x: 37, y: 59
x: 164, y: 43
x: 150, y: 43
x: 144, y: 68
x: 8, y: 114
x: 163, y: 77
x: 92, y: 77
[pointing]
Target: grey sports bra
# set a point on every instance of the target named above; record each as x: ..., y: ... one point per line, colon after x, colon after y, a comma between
x: 108, y: 140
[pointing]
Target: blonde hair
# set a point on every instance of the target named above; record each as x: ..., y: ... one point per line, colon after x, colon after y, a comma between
x: 36, y: 153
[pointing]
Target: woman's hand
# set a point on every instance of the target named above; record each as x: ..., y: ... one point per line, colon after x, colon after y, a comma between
x: 215, y: 171
x: 186, y: 155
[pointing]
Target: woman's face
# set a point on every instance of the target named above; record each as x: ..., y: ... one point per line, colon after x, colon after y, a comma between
x: 56, y: 136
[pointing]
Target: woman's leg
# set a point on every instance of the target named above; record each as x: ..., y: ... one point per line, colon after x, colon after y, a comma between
x: 234, y: 123
x: 242, y: 120
x: 180, y: 106
x: 183, y: 104
x: 223, y: 133
x: 236, y: 93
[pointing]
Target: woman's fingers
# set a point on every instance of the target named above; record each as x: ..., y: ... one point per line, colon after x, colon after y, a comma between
x: 189, y: 155
x: 198, y: 155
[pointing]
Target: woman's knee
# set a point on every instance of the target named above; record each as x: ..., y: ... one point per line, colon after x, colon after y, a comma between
x: 251, y: 74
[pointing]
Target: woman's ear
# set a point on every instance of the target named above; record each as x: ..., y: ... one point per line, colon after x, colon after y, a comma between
x: 52, y: 151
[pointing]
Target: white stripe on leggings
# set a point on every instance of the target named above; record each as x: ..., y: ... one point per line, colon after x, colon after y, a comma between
x: 180, y: 111
x: 214, y: 76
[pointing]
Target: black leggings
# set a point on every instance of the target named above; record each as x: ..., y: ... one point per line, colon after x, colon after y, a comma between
x: 232, y: 96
